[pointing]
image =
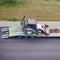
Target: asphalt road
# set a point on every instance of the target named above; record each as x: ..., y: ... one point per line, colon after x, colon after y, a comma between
x: 29, y: 49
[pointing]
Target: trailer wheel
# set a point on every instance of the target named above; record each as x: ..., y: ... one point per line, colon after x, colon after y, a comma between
x: 25, y: 36
x: 32, y: 36
x: 19, y: 36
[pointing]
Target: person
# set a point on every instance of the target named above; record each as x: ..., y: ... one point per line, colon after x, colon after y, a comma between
x: 23, y: 20
x: 23, y: 23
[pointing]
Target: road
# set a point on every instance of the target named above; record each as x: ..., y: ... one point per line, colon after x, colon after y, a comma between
x: 29, y: 49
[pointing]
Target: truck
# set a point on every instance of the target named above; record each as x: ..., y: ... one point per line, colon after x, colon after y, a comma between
x: 27, y: 28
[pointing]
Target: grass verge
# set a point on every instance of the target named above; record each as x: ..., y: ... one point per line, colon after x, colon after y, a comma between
x: 40, y: 10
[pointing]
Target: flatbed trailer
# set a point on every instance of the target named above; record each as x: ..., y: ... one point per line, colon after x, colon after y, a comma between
x: 26, y: 28
x: 16, y: 31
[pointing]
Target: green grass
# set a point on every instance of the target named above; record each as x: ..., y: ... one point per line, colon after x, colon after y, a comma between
x: 9, y: 3
x: 39, y: 9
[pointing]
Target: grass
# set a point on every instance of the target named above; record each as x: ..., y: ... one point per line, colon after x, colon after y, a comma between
x: 13, y: 3
x: 42, y: 10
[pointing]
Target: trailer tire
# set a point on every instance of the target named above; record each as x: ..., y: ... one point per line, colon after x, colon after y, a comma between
x: 19, y: 36
x: 32, y: 36
x: 25, y: 36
